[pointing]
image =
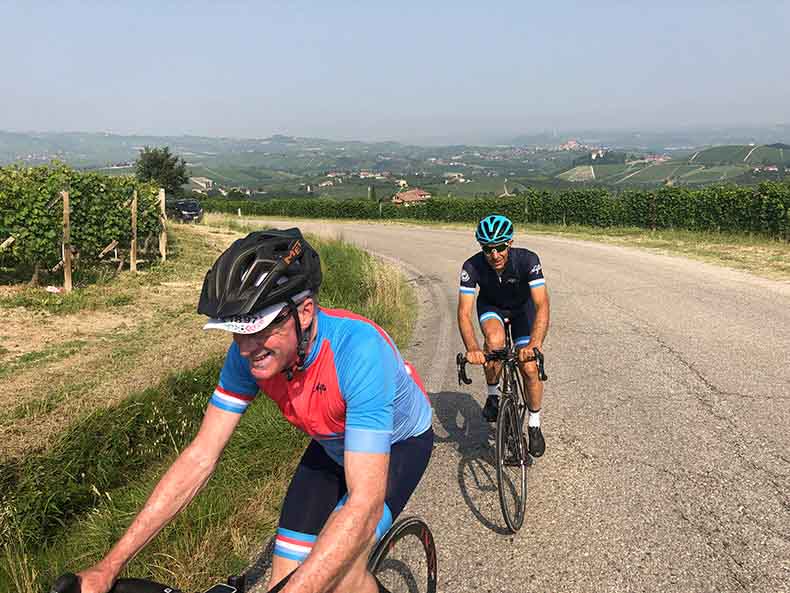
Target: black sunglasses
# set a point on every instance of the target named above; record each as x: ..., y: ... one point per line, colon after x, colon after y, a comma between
x: 498, y: 248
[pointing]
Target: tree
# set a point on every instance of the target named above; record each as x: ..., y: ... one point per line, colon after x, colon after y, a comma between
x: 168, y: 170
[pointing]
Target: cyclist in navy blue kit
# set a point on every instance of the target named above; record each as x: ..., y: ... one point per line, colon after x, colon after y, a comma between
x: 510, y: 279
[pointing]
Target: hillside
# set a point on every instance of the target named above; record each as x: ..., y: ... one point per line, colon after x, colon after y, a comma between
x: 750, y: 154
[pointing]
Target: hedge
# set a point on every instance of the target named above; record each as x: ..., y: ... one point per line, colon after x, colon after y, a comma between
x: 763, y: 209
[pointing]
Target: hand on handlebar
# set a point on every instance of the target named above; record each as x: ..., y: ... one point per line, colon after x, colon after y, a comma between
x: 95, y: 580
x: 475, y: 357
x: 528, y: 354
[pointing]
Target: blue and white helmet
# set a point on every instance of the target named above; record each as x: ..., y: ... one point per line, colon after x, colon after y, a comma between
x: 494, y: 228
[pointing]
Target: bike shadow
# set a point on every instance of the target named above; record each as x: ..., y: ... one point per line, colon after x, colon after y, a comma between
x: 460, y: 416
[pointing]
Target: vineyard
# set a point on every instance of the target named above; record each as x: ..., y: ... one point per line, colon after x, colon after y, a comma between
x: 764, y: 209
x: 99, y: 220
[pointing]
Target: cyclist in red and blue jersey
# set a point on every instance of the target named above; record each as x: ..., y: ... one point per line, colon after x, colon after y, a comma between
x: 336, y: 376
x: 510, y: 280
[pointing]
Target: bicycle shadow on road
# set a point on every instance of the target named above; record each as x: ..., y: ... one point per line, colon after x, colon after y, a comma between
x: 460, y: 416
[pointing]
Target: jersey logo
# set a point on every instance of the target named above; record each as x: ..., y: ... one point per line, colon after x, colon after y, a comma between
x: 320, y: 388
x: 464, y: 276
x: 535, y: 269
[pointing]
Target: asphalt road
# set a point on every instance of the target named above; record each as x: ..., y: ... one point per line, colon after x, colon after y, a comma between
x: 666, y: 417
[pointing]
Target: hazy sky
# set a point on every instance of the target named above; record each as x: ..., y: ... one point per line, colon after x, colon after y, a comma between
x: 410, y: 71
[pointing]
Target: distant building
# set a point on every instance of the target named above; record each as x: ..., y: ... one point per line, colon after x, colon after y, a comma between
x: 202, y: 182
x: 570, y: 145
x: 411, y: 197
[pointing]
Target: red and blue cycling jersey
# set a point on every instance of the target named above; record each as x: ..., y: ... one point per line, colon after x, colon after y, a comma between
x: 355, y: 392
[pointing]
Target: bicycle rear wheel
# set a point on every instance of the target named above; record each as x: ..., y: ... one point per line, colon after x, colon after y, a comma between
x: 511, y: 464
x: 405, y: 558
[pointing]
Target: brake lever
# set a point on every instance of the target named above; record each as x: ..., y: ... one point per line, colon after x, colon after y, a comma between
x: 460, y: 361
x: 541, y: 364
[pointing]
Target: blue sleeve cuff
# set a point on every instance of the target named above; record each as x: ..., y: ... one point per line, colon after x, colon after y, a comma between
x: 368, y: 441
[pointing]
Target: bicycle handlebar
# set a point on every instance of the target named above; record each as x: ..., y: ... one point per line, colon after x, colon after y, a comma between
x: 503, y: 355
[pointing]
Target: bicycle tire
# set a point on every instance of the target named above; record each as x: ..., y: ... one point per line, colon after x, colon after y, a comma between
x: 407, y: 526
x: 510, y: 453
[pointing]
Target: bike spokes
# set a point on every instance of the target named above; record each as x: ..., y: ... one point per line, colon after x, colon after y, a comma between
x: 511, y: 458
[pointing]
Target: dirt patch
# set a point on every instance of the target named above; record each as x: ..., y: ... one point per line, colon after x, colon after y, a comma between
x: 23, y: 332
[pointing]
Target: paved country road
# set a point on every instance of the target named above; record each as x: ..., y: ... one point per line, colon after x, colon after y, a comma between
x: 666, y: 416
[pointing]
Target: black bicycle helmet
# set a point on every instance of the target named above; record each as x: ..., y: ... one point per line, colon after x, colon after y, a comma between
x: 263, y: 269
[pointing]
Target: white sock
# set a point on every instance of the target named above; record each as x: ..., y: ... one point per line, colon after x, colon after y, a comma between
x: 534, y: 418
x: 493, y: 389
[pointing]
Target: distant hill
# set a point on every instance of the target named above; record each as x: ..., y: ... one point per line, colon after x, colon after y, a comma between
x: 753, y: 155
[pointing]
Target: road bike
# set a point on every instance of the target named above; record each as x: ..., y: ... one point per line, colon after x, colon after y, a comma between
x: 512, y: 452
x: 406, y: 555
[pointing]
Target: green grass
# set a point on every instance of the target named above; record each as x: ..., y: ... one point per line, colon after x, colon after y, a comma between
x: 102, y: 469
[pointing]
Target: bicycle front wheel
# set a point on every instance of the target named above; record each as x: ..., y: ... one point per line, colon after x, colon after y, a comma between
x: 511, y: 464
x: 405, y: 558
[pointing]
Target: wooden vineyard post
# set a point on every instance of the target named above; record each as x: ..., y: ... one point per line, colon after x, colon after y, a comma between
x: 163, y: 222
x: 67, y: 285
x: 133, y: 250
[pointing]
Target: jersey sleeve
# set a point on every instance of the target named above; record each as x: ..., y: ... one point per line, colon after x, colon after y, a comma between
x: 237, y: 387
x: 367, y: 381
x: 535, y: 271
x: 468, y: 278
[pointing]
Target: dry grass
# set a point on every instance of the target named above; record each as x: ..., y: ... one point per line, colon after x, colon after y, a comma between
x: 757, y: 255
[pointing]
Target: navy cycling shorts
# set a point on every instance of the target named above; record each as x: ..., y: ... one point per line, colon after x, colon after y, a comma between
x: 319, y: 487
x: 521, y: 320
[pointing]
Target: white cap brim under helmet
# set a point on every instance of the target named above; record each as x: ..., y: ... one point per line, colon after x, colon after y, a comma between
x: 251, y: 324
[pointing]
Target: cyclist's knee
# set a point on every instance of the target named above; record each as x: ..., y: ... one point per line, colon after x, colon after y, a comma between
x: 494, y: 340
x: 530, y: 371
x: 494, y: 335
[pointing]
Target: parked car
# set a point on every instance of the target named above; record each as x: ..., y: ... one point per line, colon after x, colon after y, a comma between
x: 188, y: 210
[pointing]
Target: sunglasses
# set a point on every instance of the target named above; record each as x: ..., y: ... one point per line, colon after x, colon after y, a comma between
x: 487, y: 249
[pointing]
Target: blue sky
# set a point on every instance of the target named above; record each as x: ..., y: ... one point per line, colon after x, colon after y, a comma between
x: 410, y: 71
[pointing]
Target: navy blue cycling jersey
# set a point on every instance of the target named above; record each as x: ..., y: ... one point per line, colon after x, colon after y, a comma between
x: 511, y: 289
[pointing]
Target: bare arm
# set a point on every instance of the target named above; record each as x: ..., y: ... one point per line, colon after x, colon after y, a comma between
x: 540, y: 327
x: 182, y: 481
x: 349, y: 532
x: 466, y: 303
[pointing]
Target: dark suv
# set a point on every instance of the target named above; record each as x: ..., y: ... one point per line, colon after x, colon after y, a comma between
x: 188, y: 210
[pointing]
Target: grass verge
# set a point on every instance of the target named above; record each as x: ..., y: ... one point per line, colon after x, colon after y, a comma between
x: 63, y: 507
